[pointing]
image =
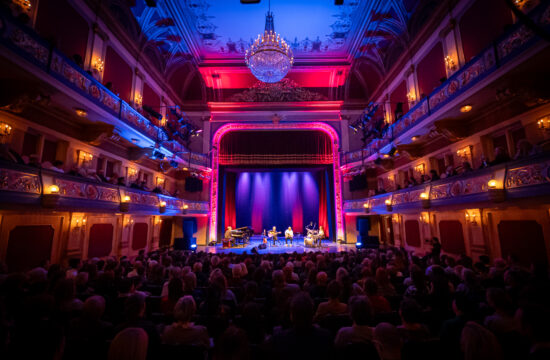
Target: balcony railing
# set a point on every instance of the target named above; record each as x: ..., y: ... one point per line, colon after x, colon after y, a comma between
x: 26, y: 185
x: 508, y: 47
x: 515, y: 179
x: 26, y: 43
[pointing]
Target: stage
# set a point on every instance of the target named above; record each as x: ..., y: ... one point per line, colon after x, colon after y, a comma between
x: 297, y: 246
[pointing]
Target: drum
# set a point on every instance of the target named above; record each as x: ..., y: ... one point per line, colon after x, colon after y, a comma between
x: 308, y: 240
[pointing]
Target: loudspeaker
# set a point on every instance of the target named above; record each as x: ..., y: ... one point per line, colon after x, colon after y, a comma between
x: 262, y: 246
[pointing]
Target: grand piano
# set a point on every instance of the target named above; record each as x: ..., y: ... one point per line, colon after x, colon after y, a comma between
x: 242, y: 234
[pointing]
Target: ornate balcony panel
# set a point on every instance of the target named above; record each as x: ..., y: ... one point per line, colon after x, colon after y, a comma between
x: 532, y: 174
x: 20, y: 181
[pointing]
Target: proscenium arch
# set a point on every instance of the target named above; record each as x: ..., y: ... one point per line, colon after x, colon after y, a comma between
x: 327, y: 129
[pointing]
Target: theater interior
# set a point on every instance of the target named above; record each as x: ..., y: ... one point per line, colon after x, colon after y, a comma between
x: 397, y: 143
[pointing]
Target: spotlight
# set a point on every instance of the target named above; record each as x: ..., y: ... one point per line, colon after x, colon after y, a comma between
x: 158, y: 155
x: 359, y: 245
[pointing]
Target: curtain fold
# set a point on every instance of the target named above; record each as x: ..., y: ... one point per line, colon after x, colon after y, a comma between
x: 323, y: 217
x: 230, y: 218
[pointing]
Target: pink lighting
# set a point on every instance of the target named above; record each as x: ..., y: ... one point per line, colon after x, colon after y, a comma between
x: 218, y: 135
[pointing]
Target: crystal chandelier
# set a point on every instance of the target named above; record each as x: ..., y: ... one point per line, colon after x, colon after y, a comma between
x: 269, y: 57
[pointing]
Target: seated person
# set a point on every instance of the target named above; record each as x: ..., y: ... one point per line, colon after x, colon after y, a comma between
x: 359, y: 332
x: 333, y: 306
x: 321, y: 235
x: 289, y: 235
x: 273, y: 235
x: 411, y: 328
x: 183, y: 331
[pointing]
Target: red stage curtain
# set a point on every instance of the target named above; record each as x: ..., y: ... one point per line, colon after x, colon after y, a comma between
x: 230, y: 213
x: 323, y: 217
x: 275, y: 148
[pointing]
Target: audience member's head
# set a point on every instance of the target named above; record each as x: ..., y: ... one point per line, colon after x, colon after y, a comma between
x: 129, y: 344
x: 360, y: 310
x: 301, y: 310
x: 185, y: 309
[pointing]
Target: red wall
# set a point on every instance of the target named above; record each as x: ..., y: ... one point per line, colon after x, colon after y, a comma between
x: 412, y: 233
x: 100, y: 243
x: 60, y: 22
x: 118, y: 73
x: 524, y: 239
x: 151, y: 98
x: 430, y: 70
x: 399, y: 95
x: 452, y: 237
x: 28, y: 247
x: 482, y: 24
x: 139, y: 239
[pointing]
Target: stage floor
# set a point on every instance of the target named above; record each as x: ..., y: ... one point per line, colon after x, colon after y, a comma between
x: 297, y: 246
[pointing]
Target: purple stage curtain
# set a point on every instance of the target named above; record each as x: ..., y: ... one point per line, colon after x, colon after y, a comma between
x: 275, y: 148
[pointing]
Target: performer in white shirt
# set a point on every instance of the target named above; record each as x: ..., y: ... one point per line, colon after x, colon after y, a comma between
x: 321, y: 236
x: 289, y: 235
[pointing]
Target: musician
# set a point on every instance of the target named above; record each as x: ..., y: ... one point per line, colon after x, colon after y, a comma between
x: 289, y: 235
x: 273, y: 234
x: 321, y: 235
x: 227, y: 234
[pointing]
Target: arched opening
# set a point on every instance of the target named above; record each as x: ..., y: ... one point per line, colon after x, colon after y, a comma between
x: 311, y: 166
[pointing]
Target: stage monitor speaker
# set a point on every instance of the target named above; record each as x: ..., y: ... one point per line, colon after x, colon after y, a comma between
x: 262, y: 246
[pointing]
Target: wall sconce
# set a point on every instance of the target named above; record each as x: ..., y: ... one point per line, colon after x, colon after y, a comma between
x: 125, y: 204
x: 389, y: 206
x: 465, y: 153
x: 450, y: 63
x: 132, y: 173
x: 420, y: 169
x: 544, y: 123
x: 465, y: 108
x: 138, y: 101
x: 49, y: 200
x: 424, y: 218
x: 162, y: 122
x: 411, y: 97
x: 5, y: 129
x: 366, y: 207
x: 471, y: 216
x: 84, y: 158
x: 162, y: 207
x: 98, y: 65
x: 496, y: 194
x: 425, y: 199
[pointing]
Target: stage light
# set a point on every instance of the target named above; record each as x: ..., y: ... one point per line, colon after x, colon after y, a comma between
x: 54, y: 189
x: 359, y: 245
x: 158, y: 155
x: 193, y: 246
x: 466, y: 108
x: 414, y: 138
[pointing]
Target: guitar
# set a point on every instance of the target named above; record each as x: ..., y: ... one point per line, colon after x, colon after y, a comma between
x: 273, y: 233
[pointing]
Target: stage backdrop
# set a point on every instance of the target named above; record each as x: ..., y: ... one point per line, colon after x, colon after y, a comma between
x: 282, y: 198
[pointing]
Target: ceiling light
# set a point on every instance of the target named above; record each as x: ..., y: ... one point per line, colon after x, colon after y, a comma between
x: 269, y: 57
x: 81, y: 112
x: 465, y: 108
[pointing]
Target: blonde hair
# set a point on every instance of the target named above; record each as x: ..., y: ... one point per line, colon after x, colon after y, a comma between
x: 129, y: 344
x: 185, y: 309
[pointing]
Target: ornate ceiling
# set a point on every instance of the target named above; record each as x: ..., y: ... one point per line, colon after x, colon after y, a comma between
x: 327, y: 40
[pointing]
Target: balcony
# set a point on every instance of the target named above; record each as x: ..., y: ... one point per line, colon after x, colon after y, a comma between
x: 515, y: 180
x: 28, y: 188
x: 507, y: 48
x: 28, y: 45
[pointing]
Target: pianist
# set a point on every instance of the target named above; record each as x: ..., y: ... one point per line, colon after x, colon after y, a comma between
x: 289, y: 235
x: 228, y: 234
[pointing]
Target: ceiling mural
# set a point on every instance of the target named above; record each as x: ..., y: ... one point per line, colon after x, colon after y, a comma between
x: 227, y: 28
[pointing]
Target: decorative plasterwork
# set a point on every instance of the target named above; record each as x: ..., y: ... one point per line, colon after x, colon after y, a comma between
x: 285, y: 126
x: 283, y: 91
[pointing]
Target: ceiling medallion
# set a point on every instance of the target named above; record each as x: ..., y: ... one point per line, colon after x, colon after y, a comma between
x: 269, y: 57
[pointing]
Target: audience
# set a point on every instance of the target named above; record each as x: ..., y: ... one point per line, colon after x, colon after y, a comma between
x: 382, y: 303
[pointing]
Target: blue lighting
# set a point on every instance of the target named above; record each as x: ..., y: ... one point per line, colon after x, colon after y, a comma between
x: 358, y: 244
x: 193, y: 246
